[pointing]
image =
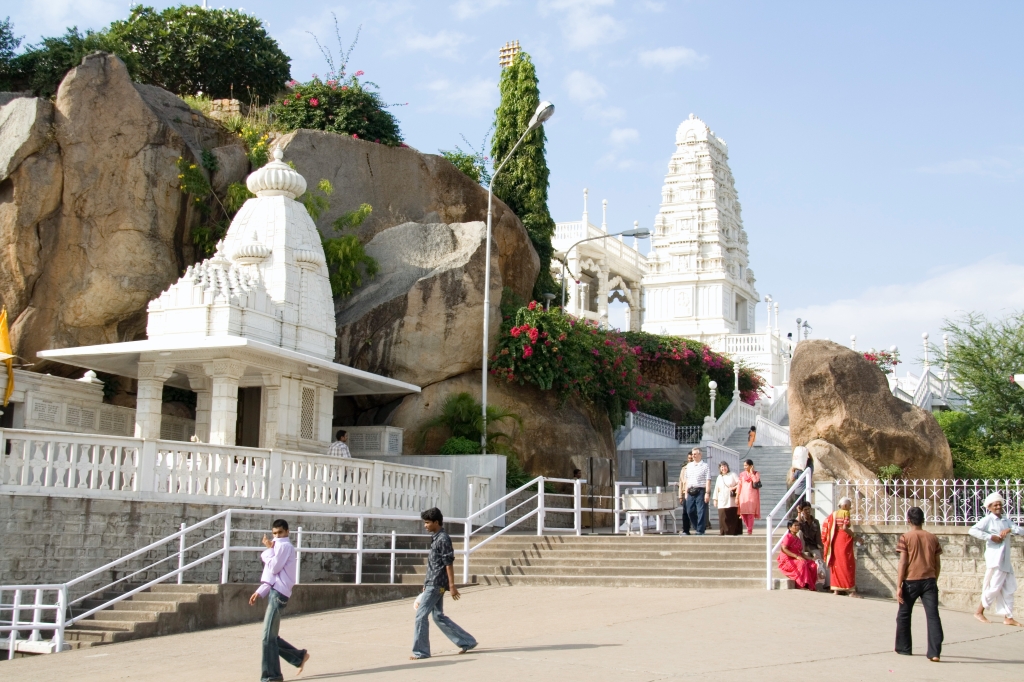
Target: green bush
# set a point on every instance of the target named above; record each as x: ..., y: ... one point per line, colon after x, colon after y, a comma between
x: 346, y: 107
x: 890, y: 472
x: 41, y: 67
x: 457, y: 445
x: 975, y: 453
x: 473, y: 165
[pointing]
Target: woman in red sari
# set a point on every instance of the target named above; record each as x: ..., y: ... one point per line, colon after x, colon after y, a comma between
x: 838, y: 540
x: 749, y: 495
x: 794, y: 563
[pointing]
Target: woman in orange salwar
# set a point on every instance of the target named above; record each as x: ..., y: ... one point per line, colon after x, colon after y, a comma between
x: 838, y: 541
x: 794, y: 563
x: 749, y: 495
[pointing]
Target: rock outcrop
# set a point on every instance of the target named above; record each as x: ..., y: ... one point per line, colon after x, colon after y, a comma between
x: 404, y: 185
x: 420, y: 319
x: 554, y: 439
x: 832, y: 464
x: 92, y: 223
x: 837, y: 396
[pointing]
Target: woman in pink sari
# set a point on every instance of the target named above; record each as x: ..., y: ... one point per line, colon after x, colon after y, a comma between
x: 793, y: 562
x: 749, y: 495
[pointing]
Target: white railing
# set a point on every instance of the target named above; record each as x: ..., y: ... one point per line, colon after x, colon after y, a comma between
x: 649, y: 422
x: 479, y: 493
x: 781, y: 512
x: 55, y: 463
x: 779, y: 409
x: 716, y: 453
x: 689, y: 434
x: 944, y: 501
x: 770, y: 433
x: 212, y: 542
x: 737, y: 415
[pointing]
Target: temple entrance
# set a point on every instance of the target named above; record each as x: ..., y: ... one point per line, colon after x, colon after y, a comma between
x: 247, y: 424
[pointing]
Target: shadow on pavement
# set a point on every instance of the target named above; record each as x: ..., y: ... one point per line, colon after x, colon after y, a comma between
x: 388, y: 668
x: 546, y: 647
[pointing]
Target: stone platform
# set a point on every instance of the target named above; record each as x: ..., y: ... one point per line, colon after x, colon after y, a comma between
x: 581, y: 633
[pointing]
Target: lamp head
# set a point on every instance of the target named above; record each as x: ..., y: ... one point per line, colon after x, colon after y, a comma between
x: 545, y: 110
x: 641, y: 233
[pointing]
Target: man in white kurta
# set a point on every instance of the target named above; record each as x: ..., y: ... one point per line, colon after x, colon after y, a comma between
x: 1000, y: 583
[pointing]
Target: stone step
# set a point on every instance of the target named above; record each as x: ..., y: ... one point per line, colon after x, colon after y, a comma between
x: 632, y: 571
x: 125, y: 616
x: 623, y: 581
x: 103, y: 626
x: 186, y: 588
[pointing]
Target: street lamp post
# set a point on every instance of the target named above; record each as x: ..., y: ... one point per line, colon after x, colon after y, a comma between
x: 544, y: 111
x: 639, y: 233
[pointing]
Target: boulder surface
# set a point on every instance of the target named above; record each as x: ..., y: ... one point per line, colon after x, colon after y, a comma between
x: 554, y: 439
x: 838, y: 396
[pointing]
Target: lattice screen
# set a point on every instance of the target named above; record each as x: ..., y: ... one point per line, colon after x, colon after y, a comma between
x: 307, y: 422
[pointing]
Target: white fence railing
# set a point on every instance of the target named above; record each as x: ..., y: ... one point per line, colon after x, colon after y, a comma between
x: 216, y: 538
x: 944, y: 501
x: 716, y: 453
x: 779, y: 409
x: 770, y: 433
x: 689, y: 434
x: 55, y: 463
x: 737, y: 415
x: 657, y: 425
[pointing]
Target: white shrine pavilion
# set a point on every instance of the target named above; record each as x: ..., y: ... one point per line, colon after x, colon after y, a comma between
x: 250, y: 330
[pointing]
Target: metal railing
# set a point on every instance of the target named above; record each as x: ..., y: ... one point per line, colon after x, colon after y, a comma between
x: 689, y: 434
x: 781, y: 512
x: 770, y: 433
x: 948, y: 502
x: 210, y: 543
x: 649, y: 422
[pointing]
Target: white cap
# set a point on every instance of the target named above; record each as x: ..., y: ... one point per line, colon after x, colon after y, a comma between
x: 993, y: 498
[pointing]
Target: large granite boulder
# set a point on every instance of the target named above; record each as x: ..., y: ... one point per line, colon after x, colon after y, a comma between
x: 404, y: 185
x: 97, y: 225
x: 554, y: 439
x: 837, y: 396
x: 832, y: 464
x: 421, y: 318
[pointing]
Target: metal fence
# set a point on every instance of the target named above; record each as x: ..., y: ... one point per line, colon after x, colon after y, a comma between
x: 944, y: 501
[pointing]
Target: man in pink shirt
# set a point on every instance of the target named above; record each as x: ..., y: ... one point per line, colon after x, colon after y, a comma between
x: 276, y: 586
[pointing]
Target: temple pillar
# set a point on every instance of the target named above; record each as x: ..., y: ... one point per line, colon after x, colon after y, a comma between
x: 602, y: 292
x: 635, y: 307
x: 201, y: 386
x: 150, y: 398
x: 224, y: 375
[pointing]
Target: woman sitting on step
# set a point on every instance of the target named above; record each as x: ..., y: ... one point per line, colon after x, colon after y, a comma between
x: 794, y: 563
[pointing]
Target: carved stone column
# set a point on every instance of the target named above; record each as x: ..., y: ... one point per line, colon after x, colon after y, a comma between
x: 201, y: 386
x: 635, y: 307
x: 602, y: 292
x: 148, y: 415
x: 224, y: 376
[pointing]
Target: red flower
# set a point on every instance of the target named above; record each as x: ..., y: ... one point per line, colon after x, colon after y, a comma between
x: 355, y: 136
x: 533, y: 335
x: 314, y: 102
x: 287, y: 102
x: 344, y: 87
x: 532, y: 306
x: 358, y: 73
x: 515, y: 332
x: 528, y: 351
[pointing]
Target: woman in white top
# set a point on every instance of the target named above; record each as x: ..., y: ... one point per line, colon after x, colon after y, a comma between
x: 725, y: 500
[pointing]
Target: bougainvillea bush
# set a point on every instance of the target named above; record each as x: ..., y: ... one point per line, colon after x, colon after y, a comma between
x: 338, y: 105
x: 886, y: 360
x: 555, y: 351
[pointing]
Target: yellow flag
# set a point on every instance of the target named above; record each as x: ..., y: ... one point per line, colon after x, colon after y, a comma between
x: 5, y: 350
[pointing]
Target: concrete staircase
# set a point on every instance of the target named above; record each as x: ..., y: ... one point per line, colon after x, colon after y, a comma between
x: 604, y: 560
x: 773, y: 462
x: 144, y: 614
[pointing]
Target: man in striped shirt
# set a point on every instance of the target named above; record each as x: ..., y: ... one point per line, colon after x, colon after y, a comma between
x: 698, y: 491
x: 339, y: 448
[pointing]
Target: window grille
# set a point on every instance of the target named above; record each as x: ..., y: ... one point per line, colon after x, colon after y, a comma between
x: 307, y: 421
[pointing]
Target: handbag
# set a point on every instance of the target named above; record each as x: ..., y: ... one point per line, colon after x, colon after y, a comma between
x: 756, y: 485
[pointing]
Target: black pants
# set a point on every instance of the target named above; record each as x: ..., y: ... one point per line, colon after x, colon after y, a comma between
x: 685, y: 516
x: 928, y: 592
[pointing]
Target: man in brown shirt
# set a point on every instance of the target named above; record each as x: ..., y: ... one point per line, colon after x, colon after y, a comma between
x: 916, y: 578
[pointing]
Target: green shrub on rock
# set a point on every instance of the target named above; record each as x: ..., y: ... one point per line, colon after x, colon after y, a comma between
x: 347, y: 107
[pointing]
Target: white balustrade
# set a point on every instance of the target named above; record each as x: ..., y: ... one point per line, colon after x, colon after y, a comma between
x: 779, y: 409
x: 657, y: 425
x: 715, y: 454
x: 944, y: 501
x: 56, y: 463
x: 770, y: 433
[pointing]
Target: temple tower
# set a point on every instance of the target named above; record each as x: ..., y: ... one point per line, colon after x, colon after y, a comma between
x: 699, y: 284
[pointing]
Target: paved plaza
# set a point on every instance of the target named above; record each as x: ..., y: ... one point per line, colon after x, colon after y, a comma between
x: 552, y: 633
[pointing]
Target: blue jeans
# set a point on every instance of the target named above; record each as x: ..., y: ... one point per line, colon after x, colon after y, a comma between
x: 697, y: 510
x: 274, y: 647
x: 431, y: 602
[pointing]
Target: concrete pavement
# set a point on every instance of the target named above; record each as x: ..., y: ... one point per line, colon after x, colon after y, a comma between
x: 574, y: 633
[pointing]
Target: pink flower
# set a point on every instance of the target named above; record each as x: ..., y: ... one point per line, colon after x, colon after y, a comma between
x: 358, y: 73
x: 287, y: 102
x: 532, y: 306
x: 528, y: 351
x: 515, y: 332
x: 344, y: 87
x: 533, y: 335
x: 355, y: 136
x: 611, y: 392
x: 313, y: 102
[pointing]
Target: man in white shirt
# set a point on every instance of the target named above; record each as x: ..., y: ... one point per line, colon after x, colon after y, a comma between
x: 279, y: 563
x: 339, y: 448
x: 698, y: 491
x: 1000, y: 583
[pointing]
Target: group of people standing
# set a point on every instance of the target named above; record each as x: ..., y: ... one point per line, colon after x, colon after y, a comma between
x: 811, y: 552
x: 736, y: 496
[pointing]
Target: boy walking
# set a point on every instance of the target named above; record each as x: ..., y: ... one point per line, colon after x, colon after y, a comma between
x: 1000, y: 583
x: 276, y: 586
x: 916, y: 578
x: 440, y: 578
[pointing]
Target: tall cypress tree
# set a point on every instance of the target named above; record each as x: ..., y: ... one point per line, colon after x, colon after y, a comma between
x: 523, y: 182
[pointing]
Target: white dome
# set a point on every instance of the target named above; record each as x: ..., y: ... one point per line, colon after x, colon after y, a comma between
x: 276, y: 179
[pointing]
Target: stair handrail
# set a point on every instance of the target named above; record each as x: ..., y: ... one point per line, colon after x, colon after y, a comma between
x: 729, y: 421
x: 779, y: 409
x: 716, y: 453
x: 806, y: 479
x: 770, y: 433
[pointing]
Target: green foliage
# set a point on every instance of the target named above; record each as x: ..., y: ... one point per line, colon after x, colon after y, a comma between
x: 346, y: 107
x: 457, y: 445
x: 515, y: 475
x: 190, y: 50
x: 41, y: 67
x: 317, y: 203
x: 890, y: 472
x: 353, y: 218
x: 702, y: 401
x: 209, y: 161
x: 523, y: 181
x: 975, y: 455
x: 347, y: 260
x: 473, y: 165
x: 8, y: 44
x: 254, y: 131
x: 191, y: 180
x: 201, y: 103
x: 236, y: 196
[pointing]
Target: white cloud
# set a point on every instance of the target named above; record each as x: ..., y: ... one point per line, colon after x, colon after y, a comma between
x: 467, y: 9
x: 445, y: 43
x: 671, y: 58
x: 475, y: 96
x: 621, y: 137
x: 583, y: 25
x: 992, y: 167
x: 583, y: 88
x: 898, y: 314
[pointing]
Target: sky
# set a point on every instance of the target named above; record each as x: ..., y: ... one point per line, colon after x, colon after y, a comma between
x: 876, y: 146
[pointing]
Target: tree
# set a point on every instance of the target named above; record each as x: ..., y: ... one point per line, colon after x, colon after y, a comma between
x: 43, y: 66
x: 8, y: 44
x: 189, y: 49
x: 523, y: 182
x: 987, y: 437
